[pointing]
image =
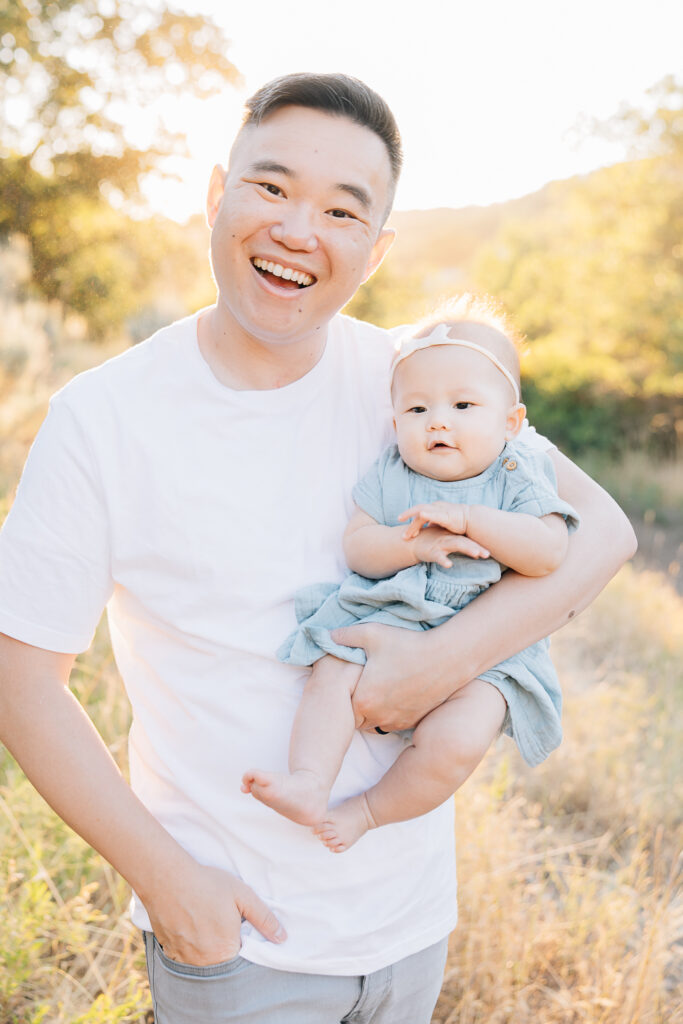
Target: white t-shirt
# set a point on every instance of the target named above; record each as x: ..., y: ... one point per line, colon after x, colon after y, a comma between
x: 195, y: 512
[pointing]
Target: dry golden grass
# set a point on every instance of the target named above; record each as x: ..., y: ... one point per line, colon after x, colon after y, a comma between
x: 570, y: 909
x: 570, y: 906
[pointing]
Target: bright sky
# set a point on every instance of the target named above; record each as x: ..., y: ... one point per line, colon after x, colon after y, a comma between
x: 487, y: 93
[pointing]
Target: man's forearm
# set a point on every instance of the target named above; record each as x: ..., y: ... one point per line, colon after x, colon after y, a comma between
x: 410, y: 673
x: 49, y: 734
x: 196, y: 911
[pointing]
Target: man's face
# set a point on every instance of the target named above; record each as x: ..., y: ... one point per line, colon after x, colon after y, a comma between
x: 297, y: 223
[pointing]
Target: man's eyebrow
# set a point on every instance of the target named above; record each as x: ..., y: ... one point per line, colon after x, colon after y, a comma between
x: 272, y: 167
x: 358, y: 193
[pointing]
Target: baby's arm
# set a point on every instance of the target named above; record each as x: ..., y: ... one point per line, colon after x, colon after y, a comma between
x: 377, y: 551
x: 409, y: 673
x: 531, y: 545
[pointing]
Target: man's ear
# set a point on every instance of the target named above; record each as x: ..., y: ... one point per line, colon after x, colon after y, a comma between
x: 215, y: 194
x: 379, y: 251
x: 514, y: 420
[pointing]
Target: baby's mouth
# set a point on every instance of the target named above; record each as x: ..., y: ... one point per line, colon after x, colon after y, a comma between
x: 287, y: 277
x: 439, y: 444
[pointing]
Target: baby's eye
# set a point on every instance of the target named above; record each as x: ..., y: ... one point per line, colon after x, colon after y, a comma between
x: 463, y: 405
x: 417, y: 408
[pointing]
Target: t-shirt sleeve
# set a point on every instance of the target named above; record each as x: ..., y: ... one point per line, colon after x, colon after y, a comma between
x: 55, y: 574
x: 532, y: 486
x: 530, y: 437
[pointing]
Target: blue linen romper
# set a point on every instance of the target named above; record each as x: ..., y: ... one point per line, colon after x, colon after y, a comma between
x: 522, y: 479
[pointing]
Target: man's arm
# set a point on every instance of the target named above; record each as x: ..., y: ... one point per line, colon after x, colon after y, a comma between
x: 409, y: 673
x: 195, y: 911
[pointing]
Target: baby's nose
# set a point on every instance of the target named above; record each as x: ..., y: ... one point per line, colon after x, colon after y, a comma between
x: 438, y: 420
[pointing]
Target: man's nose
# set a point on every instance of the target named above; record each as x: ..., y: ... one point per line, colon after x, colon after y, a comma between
x: 295, y: 229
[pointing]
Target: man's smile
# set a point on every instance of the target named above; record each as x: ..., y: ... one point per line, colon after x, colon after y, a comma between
x: 268, y: 268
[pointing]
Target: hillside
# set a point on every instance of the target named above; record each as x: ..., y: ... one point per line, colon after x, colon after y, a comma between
x: 448, y: 238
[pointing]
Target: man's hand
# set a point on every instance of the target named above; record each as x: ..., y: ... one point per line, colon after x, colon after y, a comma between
x: 394, y: 690
x: 196, y: 911
x: 197, y: 917
x: 410, y: 673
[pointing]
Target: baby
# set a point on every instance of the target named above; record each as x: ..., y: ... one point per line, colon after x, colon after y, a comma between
x: 477, y: 503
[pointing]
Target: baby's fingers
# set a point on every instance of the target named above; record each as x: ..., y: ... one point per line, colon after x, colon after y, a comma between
x: 419, y: 511
x: 467, y: 546
x: 441, y: 513
x: 421, y: 518
x: 412, y: 530
x: 406, y: 515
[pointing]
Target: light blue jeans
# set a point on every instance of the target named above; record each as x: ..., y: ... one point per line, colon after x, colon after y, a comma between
x: 240, y: 992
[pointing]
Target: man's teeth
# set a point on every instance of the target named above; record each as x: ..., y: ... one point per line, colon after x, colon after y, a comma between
x: 298, y: 276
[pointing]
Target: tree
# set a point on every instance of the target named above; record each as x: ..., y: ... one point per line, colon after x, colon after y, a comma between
x: 653, y: 129
x: 389, y: 298
x: 71, y: 71
x: 597, y: 285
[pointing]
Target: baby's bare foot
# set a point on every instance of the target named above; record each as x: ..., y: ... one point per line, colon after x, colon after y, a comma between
x: 301, y: 796
x: 344, y: 825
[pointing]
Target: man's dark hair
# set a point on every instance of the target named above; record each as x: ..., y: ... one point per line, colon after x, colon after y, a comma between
x: 334, y: 94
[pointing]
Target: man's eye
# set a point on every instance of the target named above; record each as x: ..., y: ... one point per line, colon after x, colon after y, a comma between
x: 341, y: 214
x: 274, y: 190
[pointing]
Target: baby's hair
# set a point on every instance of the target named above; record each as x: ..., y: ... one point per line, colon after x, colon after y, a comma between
x: 482, y: 320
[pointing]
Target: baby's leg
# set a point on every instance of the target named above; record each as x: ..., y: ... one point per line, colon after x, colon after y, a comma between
x: 447, y: 746
x: 322, y: 730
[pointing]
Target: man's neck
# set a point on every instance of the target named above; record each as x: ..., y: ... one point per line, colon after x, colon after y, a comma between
x: 243, y: 363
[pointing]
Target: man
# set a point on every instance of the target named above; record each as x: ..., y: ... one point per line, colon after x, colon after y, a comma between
x: 193, y: 484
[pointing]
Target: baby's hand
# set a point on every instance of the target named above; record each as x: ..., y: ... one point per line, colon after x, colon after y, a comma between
x: 439, y: 513
x: 434, y: 544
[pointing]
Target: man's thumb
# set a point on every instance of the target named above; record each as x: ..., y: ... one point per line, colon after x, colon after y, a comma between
x: 254, y: 910
x: 352, y: 636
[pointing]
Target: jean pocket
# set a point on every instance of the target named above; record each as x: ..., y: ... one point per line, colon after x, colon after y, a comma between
x: 184, y: 970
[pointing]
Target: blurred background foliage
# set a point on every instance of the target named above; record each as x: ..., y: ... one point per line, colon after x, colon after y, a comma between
x: 591, y: 268
x: 70, y: 173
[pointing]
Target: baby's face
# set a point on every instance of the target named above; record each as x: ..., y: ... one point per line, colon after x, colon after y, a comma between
x: 452, y: 412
